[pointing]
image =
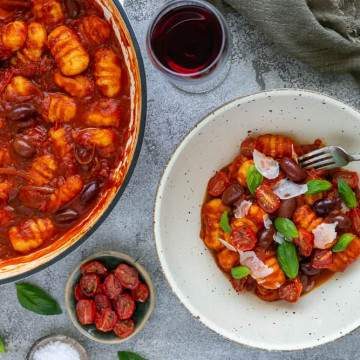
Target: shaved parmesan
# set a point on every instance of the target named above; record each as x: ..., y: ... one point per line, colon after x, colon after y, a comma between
x: 267, y: 166
x: 324, y: 235
x: 287, y: 189
x: 267, y: 221
x: 258, y: 269
x: 228, y: 245
x: 242, y: 209
x: 278, y: 238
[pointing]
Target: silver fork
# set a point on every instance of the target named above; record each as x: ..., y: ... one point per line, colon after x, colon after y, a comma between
x: 328, y: 157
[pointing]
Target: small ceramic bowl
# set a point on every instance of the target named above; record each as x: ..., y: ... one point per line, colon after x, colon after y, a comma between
x: 329, y: 311
x: 57, y: 338
x: 111, y: 259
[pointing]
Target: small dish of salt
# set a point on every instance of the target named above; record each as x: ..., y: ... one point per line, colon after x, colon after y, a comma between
x: 58, y: 347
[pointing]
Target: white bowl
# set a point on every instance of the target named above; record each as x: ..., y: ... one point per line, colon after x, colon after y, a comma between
x: 329, y: 311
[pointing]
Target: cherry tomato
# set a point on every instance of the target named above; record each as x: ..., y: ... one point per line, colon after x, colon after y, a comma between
x: 217, y: 184
x: 350, y: 177
x: 105, y: 320
x: 267, y: 294
x: 124, y: 306
x: 247, y: 147
x: 95, y: 267
x: 291, y: 290
x: 243, y: 238
x: 141, y: 293
x: 89, y: 284
x: 305, y: 242
x: 238, y: 284
x: 102, y: 302
x: 322, y: 259
x: 355, y: 218
x: 124, y: 328
x: 267, y: 199
x: 112, y: 287
x: 128, y: 276
x: 78, y: 294
x: 85, y: 311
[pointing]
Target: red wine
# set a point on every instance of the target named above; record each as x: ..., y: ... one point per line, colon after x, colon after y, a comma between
x: 187, y: 39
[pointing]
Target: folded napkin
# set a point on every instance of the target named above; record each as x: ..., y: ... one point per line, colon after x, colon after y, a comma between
x: 322, y: 33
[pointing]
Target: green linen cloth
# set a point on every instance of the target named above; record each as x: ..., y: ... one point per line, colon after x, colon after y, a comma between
x: 322, y: 33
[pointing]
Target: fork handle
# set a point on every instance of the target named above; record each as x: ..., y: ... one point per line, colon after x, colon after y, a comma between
x: 355, y: 157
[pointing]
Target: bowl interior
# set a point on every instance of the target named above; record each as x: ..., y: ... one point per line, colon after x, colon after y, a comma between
x: 143, y: 310
x: 191, y: 269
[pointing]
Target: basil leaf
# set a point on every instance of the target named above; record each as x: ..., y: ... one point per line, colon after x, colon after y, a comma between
x: 343, y: 242
x: 317, y: 186
x: 240, y: 272
x: 286, y: 227
x: 224, y: 222
x: 2, y: 345
x: 288, y: 259
x: 36, y: 300
x: 346, y: 194
x: 128, y: 355
x: 253, y: 179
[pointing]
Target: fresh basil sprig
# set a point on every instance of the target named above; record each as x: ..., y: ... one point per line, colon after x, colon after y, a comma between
x: 286, y: 227
x: 2, y: 345
x: 253, y: 179
x: 224, y: 222
x: 239, y: 272
x: 317, y: 185
x: 35, y: 299
x: 288, y: 259
x: 347, y: 194
x: 343, y: 242
x: 128, y: 355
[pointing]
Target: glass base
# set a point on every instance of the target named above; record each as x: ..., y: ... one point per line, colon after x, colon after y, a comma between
x: 203, y: 86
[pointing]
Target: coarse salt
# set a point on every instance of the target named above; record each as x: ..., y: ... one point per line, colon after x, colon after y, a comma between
x: 57, y: 350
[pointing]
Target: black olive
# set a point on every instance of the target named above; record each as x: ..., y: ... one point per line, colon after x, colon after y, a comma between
x: 89, y: 192
x: 66, y: 216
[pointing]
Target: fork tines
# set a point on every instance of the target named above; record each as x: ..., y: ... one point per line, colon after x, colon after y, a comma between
x: 322, y: 158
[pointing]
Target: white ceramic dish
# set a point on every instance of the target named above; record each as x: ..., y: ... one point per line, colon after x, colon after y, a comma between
x: 329, y: 311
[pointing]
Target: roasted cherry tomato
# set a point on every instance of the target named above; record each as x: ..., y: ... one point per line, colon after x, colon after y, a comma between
x: 95, y: 267
x: 243, y: 238
x: 305, y: 242
x: 291, y: 290
x: 105, y: 320
x: 322, y: 259
x: 112, y: 287
x: 124, y: 328
x: 350, y: 177
x: 124, y: 306
x: 89, y: 284
x: 267, y: 199
x: 102, y: 302
x: 355, y: 217
x: 141, y: 293
x: 78, y: 294
x: 217, y: 184
x: 128, y: 276
x: 267, y: 294
x: 85, y: 311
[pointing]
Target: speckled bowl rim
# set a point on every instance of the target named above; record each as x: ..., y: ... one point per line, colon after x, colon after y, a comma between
x: 158, y: 200
x: 144, y: 274
x: 53, y: 338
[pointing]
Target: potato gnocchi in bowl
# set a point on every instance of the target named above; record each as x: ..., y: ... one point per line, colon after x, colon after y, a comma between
x: 275, y: 228
x: 71, y: 112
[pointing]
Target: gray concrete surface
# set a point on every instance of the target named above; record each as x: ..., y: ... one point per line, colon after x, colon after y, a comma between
x: 172, y: 333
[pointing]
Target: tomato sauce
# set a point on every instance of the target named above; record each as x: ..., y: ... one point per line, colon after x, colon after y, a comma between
x: 64, y: 118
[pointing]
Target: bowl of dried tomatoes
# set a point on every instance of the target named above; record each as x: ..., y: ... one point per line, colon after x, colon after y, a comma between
x: 271, y: 247
x: 109, y: 297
